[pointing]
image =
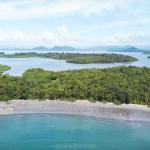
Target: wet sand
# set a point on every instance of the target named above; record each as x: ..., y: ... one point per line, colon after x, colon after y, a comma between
x: 130, y: 112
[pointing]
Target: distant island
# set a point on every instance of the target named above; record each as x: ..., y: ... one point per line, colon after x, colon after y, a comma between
x: 69, y: 49
x: 63, y: 48
x: 76, y: 58
x: 55, y: 48
x: 40, y: 48
x: 98, y: 48
x: 125, y: 49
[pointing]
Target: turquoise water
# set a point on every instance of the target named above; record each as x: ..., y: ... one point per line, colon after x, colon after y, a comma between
x: 52, y: 132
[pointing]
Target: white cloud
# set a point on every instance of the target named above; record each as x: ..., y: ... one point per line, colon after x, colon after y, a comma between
x: 139, y: 21
x: 60, y: 36
x: 101, y: 6
x: 126, y: 38
x: 67, y: 37
x: 26, y: 9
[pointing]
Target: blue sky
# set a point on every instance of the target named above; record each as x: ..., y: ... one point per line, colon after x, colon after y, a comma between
x: 79, y: 23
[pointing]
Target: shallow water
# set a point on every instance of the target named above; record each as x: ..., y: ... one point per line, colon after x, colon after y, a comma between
x: 50, y: 132
x: 19, y: 65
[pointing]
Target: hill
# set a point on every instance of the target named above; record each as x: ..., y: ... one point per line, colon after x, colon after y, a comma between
x: 62, y: 48
x: 125, y: 49
x: 40, y: 48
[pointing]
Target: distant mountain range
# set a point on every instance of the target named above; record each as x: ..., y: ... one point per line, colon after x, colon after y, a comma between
x: 63, y: 48
x: 40, y: 48
x: 55, y: 48
x: 98, y: 48
x: 125, y: 49
x: 94, y: 49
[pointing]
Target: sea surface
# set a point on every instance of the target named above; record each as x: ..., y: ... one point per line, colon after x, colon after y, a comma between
x: 20, y: 65
x: 66, y: 132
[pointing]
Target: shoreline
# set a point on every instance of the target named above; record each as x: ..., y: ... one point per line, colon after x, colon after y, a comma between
x: 126, y: 112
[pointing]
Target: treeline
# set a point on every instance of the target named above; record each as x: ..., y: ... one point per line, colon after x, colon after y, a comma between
x: 76, y: 58
x: 118, y: 85
x: 103, y: 58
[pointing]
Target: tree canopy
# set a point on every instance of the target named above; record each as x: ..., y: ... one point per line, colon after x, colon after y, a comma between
x: 117, y: 85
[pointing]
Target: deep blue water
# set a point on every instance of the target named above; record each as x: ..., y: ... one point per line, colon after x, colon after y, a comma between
x: 52, y: 132
x: 20, y: 65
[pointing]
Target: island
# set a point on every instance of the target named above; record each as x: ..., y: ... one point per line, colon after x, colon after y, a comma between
x: 76, y: 57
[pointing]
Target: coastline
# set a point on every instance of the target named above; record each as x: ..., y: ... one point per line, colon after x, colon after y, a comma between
x: 126, y: 112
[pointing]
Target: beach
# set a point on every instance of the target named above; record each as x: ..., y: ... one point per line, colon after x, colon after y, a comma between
x: 128, y: 112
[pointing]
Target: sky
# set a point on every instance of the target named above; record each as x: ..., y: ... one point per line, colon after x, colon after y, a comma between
x: 78, y: 23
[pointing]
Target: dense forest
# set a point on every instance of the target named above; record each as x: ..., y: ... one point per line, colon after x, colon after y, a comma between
x: 118, y: 85
x: 76, y: 58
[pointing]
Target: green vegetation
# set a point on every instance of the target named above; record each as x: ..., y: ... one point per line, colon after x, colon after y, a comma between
x: 4, y: 68
x: 118, y: 85
x: 76, y: 58
x: 102, y: 58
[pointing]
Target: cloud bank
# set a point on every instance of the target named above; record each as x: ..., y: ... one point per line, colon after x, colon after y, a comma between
x: 29, y: 9
x: 76, y: 22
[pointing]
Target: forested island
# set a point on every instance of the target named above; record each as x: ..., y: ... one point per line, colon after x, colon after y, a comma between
x: 118, y: 85
x: 76, y: 58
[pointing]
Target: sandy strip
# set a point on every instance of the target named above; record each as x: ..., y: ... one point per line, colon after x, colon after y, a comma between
x: 129, y: 112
